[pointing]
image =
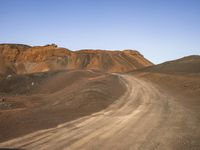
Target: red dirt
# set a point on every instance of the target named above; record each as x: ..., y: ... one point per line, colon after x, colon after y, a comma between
x: 21, y: 59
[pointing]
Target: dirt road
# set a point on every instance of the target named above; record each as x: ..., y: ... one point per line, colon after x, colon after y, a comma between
x: 144, y: 118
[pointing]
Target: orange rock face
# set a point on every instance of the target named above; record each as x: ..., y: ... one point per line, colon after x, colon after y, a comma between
x: 22, y: 59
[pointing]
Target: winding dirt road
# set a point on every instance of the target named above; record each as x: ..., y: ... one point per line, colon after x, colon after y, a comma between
x: 144, y: 118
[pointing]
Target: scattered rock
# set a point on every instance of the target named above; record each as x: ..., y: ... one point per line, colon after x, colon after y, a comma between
x: 5, y: 105
x: 9, y: 76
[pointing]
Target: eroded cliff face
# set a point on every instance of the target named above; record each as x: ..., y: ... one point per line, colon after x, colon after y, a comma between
x: 21, y: 59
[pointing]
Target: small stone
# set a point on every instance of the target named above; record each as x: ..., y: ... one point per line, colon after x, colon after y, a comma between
x: 9, y: 76
x: 2, y: 99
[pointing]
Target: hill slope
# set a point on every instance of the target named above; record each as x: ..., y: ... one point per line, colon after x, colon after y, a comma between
x: 189, y: 64
x: 22, y: 59
x: 38, y: 101
x: 179, y: 77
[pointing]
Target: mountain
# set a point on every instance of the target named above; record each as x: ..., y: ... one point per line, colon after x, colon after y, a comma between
x: 21, y: 59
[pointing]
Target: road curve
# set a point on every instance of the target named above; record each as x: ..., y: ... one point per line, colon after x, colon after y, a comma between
x: 144, y: 118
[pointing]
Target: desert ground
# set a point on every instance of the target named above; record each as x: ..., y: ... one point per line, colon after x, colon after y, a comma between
x: 156, y: 107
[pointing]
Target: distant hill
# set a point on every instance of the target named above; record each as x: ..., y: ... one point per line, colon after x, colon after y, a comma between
x: 189, y: 64
x: 20, y: 59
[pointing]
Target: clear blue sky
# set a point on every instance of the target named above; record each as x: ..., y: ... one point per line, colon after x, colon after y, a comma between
x: 160, y: 29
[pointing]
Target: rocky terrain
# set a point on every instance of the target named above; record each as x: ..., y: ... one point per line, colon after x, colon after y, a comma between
x: 23, y: 59
x: 54, y: 98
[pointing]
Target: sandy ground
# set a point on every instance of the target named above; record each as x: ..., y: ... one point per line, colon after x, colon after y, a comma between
x: 145, y: 117
x: 40, y: 101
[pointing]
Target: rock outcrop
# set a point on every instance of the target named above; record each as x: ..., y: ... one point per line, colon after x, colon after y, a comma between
x: 21, y: 59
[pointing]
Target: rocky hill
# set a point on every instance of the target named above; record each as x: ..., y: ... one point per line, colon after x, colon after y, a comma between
x: 21, y: 59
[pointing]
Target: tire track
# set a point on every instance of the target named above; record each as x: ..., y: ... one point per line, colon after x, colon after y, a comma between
x: 143, y: 118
